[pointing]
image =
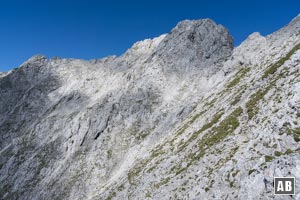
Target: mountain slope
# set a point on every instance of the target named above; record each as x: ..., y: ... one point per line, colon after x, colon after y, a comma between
x: 181, y: 116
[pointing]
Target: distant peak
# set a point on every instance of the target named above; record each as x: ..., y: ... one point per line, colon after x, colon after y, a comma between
x: 254, y: 35
x: 35, y: 59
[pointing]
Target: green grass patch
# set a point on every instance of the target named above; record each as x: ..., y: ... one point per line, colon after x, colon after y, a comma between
x: 109, y: 154
x: 186, y: 125
x: 268, y: 158
x: 251, y: 171
x: 121, y: 187
x: 148, y: 195
x: 236, y: 99
x: 226, y: 127
x: 273, y: 68
x: 252, y: 104
x: 215, y: 135
x: 235, y: 173
x: 295, y: 133
x: 196, y: 116
x: 210, y: 104
x: 239, y: 75
x: 162, y: 182
x: 213, y: 121
x: 277, y: 153
x: 287, y: 152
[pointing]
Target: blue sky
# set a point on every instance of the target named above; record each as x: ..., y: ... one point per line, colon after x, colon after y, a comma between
x: 90, y: 29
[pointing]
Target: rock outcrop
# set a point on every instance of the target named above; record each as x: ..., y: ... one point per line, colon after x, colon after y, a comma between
x: 181, y: 116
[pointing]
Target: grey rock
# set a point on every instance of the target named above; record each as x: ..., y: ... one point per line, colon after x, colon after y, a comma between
x: 181, y: 116
x: 200, y: 43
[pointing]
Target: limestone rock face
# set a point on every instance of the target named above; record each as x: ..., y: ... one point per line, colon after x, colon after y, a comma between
x: 181, y: 116
x: 201, y: 43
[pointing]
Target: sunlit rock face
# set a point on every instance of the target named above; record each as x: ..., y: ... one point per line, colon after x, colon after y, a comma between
x: 181, y: 116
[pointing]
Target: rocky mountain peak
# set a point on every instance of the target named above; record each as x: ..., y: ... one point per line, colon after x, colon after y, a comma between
x: 201, y: 43
x: 35, y: 59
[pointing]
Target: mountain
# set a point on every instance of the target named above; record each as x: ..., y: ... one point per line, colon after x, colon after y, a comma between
x: 181, y: 116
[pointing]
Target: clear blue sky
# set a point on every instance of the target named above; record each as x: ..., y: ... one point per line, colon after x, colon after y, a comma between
x: 90, y: 29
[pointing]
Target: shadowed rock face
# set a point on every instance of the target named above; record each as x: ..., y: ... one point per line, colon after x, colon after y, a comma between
x: 162, y: 121
x: 24, y: 97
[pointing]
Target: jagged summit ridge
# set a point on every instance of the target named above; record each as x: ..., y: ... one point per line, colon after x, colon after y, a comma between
x: 201, y: 43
